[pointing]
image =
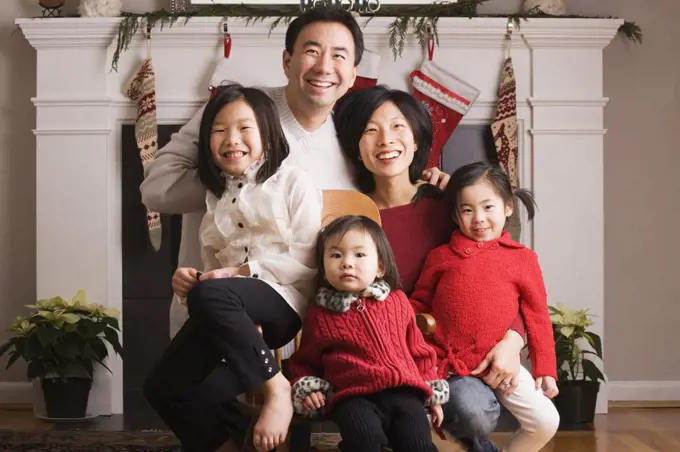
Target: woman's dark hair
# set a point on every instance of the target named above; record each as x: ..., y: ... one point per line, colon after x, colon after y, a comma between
x: 339, y: 227
x: 354, y: 110
x: 482, y: 171
x: 274, y: 143
x: 334, y: 14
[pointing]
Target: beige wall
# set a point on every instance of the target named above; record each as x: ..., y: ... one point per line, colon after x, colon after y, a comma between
x: 642, y: 189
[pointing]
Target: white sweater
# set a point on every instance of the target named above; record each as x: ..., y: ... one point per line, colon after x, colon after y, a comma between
x: 172, y: 185
x: 271, y: 226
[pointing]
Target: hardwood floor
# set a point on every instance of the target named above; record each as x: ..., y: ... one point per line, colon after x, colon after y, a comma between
x: 622, y: 430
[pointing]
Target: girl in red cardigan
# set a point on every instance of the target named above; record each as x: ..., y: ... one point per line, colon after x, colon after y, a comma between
x: 362, y: 358
x: 474, y: 287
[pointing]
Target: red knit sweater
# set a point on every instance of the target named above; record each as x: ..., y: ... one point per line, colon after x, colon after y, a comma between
x: 474, y: 291
x: 365, y: 352
x: 414, y: 230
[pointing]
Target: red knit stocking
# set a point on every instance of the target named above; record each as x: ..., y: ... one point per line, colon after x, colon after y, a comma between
x: 447, y: 98
x: 367, y: 72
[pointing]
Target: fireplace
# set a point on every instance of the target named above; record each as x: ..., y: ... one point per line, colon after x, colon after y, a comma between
x: 83, y: 125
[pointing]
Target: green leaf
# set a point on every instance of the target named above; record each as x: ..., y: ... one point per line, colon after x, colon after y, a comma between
x: 47, y: 335
x: 35, y: 369
x: 112, y: 337
x: 6, y: 346
x: 12, y: 359
x: 567, y: 331
x: 32, y: 348
x: 70, y: 318
x: 112, y: 322
x: 591, y: 371
x: 595, y: 341
x: 68, y: 350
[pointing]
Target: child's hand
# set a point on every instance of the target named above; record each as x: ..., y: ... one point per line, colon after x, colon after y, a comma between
x: 315, y: 401
x: 437, y: 415
x: 226, y: 272
x: 183, y: 280
x: 550, y: 386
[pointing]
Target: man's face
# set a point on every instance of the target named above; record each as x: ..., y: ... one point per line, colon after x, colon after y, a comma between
x: 321, y: 68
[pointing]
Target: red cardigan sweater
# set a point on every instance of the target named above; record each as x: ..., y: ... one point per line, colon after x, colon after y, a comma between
x: 365, y: 352
x: 474, y: 291
x: 414, y: 230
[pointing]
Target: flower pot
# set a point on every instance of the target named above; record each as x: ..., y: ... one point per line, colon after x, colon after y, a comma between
x: 66, y: 398
x: 576, y: 401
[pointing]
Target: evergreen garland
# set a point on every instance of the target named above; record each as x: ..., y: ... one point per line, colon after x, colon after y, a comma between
x: 412, y: 18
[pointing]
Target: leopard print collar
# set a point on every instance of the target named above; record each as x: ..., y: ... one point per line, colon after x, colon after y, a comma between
x: 336, y: 301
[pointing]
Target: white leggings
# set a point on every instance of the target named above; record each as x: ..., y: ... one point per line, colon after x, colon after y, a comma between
x: 535, y: 412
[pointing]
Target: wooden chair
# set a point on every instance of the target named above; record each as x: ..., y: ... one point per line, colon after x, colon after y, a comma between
x: 336, y: 203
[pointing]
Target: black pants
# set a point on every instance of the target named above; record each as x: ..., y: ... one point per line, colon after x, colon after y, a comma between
x: 191, y: 388
x: 395, y: 416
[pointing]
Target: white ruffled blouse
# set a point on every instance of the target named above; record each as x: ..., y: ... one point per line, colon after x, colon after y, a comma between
x: 272, y: 227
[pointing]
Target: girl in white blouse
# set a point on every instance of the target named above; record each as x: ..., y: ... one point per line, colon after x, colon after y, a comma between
x: 258, y: 237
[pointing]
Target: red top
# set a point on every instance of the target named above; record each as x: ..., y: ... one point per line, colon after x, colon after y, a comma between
x: 365, y: 352
x: 414, y: 230
x: 474, y: 291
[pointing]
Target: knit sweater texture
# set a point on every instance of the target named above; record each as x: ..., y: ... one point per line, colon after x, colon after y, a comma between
x: 415, y: 229
x: 364, y: 351
x: 474, y: 291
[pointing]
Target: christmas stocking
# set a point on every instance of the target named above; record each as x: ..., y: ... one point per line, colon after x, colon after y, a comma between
x: 142, y: 89
x: 446, y: 97
x: 504, y: 129
x: 367, y: 72
x: 224, y: 69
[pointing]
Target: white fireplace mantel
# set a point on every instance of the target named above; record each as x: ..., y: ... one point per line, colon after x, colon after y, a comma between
x: 81, y: 105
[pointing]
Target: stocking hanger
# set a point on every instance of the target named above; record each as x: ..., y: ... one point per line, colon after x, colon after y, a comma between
x: 148, y: 40
x: 429, y: 39
x: 508, y: 37
x: 227, y: 39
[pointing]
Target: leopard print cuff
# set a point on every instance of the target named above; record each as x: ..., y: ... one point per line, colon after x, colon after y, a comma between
x: 306, y: 386
x: 440, y: 392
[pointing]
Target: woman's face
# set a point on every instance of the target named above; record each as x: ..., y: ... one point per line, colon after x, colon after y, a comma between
x: 387, y: 145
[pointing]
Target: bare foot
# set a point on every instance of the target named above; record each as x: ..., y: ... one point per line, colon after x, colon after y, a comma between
x: 272, y: 426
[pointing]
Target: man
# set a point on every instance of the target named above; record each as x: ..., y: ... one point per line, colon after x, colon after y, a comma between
x: 323, y: 49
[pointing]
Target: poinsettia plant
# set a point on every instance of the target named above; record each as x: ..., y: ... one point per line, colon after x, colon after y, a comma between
x: 63, y: 337
x: 574, y: 344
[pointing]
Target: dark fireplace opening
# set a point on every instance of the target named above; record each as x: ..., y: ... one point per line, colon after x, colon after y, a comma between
x: 147, y: 290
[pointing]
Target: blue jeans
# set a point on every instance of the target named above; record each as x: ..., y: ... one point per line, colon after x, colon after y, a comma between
x: 471, y: 414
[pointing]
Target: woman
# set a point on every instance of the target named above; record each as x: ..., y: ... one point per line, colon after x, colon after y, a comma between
x: 387, y: 135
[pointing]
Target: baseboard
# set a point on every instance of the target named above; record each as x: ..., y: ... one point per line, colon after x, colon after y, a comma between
x: 652, y: 391
x: 16, y: 393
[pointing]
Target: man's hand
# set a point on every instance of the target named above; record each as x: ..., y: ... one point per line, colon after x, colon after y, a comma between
x: 504, y: 363
x: 436, y: 177
x: 315, y: 401
x: 550, y: 386
x: 184, y: 279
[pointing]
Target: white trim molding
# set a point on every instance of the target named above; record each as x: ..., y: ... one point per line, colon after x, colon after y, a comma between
x: 20, y: 393
x: 652, y: 391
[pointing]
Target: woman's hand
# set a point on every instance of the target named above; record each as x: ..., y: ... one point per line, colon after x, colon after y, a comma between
x: 184, y: 279
x: 503, y: 362
x: 550, y: 386
x: 436, y: 177
x: 226, y: 272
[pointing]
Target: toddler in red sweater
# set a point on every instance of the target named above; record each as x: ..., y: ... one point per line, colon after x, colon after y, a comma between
x: 474, y: 287
x: 362, y: 359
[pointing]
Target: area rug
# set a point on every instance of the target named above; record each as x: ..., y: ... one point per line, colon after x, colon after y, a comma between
x: 84, y: 441
x: 91, y: 441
